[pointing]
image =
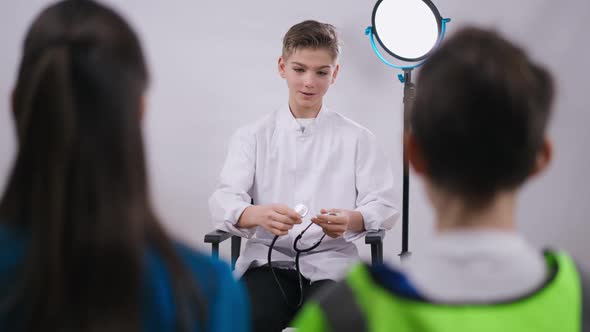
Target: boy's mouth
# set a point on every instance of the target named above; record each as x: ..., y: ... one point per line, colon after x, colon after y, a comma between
x: 307, y: 93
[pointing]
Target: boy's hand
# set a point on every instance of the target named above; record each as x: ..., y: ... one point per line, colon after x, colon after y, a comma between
x: 335, y: 222
x: 276, y: 218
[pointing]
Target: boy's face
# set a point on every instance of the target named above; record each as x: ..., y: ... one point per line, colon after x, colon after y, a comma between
x: 309, y: 73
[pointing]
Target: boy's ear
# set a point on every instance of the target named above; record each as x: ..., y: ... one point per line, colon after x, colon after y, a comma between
x: 544, y: 157
x: 335, y: 73
x: 415, y: 156
x: 281, y: 66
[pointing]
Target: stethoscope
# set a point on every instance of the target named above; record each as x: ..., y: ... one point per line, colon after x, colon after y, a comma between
x: 302, y: 211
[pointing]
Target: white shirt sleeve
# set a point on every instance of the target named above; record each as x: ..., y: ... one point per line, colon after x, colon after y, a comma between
x: 231, y: 196
x: 376, y: 197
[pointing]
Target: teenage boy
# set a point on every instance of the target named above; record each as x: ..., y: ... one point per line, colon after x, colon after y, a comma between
x: 303, y: 153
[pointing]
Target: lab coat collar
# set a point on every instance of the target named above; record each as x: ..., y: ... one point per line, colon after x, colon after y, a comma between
x: 287, y: 121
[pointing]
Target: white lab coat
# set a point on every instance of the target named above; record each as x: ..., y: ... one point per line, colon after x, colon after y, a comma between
x: 333, y: 163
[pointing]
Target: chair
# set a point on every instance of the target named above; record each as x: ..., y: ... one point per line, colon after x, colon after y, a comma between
x: 373, y: 238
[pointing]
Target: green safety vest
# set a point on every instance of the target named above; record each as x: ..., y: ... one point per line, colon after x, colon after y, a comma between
x: 360, y: 304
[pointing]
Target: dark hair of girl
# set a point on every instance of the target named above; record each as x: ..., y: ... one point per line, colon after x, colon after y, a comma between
x: 78, y: 187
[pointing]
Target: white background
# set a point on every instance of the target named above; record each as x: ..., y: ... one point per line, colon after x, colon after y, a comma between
x: 213, y: 66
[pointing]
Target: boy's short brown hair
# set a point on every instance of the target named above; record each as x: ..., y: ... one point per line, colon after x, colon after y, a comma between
x: 311, y: 34
x: 480, y: 114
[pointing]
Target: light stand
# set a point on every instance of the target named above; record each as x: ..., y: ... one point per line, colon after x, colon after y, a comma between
x: 409, y: 30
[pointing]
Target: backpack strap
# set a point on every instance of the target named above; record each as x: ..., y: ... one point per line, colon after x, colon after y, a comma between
x: 585, y: 284
x: 341, y: 309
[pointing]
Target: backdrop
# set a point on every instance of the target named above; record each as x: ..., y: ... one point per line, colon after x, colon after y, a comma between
x: 213, y: 66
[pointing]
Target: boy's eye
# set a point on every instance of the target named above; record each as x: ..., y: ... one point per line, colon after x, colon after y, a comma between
x: 299, y: 70
x: 322, y: 73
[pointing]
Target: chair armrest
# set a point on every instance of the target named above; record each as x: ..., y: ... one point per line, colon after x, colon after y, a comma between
x: 375, y: 239
x: 216, y: 236
x: 374, y: 236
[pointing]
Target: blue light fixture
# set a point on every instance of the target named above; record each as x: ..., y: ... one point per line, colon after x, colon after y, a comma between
x: 408, y: 30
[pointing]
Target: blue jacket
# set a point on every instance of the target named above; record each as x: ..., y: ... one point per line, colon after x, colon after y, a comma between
x: 228, y: 305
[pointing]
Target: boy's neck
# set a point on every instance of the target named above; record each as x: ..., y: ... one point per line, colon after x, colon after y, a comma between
x: 300, y: 112
x: 452, y: 213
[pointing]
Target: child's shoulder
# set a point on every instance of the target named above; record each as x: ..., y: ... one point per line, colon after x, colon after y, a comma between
x: 201, y: 264
x: 348, y: 124
x: 262, y: 124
